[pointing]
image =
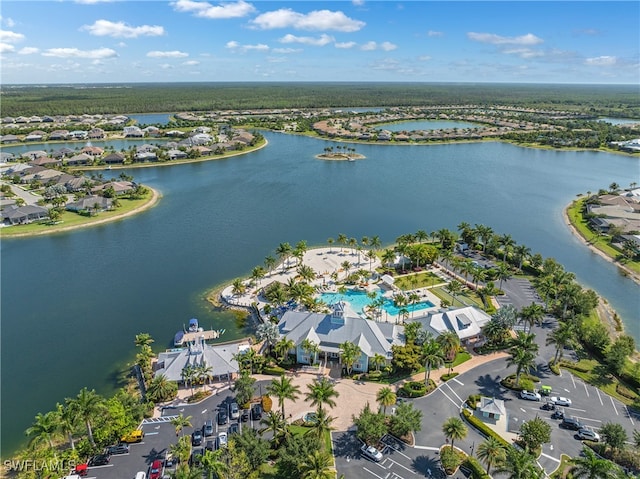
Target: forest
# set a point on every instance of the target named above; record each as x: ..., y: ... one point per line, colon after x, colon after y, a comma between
x: 622, y: 101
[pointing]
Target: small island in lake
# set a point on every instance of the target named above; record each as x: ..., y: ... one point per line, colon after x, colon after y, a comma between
x: 346, y: 154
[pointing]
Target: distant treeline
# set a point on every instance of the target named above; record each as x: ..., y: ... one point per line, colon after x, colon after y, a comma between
x: 26, y: 100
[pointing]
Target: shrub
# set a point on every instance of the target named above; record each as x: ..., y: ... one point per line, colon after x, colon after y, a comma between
x: 482, y: 427
x: 625, y: 391
x: 473, y: 400
x: 554, y: 367
x: 446, y: 377
x: 199, y: 395
x: 267, y: 403
x: 274, y: 370
x: 374, y: 376
x: 450, y: 459
x: 477, y: 471
x: 574, y: 366
x: 414, y: 389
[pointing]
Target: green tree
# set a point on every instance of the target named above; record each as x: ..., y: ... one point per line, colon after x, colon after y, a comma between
x: 532, y: 314
x: 44, y: 429
x: 523, y: 360
x: 67, y: 422
x: 284, y: 251
x: 386, y: 397
x: 161, y: 389
x: 284, y: 346
x: 243, y: 387
x: 433, y: 357
x: 212, y: 465
x: 453, y: 428
x: 275, y: 423
x: 311, y: 348
x: 349, y: 354
x: 87, y: 405
x: 238, y: 465
x: 519, y: 465
x: 406, y: 420
x: 256, y: 448
x: 407, y: 357
x: 321, y: 426
x: 534, y: 433
x: 491, y: 451
x: 317, y: 465
x: 269, y: 333
x: 180, y: 422
x: 283, y: 388
x: 562, y: 336
x: 590, y: 466
x: 370, y: 426
x: 450, y: 343
x: 377, y: 360
x: 321, y: 392
x: 143, y: 339
x: 614, y: 436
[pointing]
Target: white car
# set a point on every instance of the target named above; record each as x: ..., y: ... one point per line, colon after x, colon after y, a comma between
x: 560, y: 401
x: 371, y: 453
x: 530, y: 395
x: 222, y: 439
x: 588, y: 434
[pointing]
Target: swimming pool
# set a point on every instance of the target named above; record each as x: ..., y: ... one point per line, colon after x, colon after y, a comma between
x: 359, y: 301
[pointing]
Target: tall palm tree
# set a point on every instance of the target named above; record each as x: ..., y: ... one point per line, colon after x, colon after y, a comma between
x: 491, y: 451
x: 342, y: 240
x: 349, y: 354
x: 306, y: 272
x: 188, y: 374
x: 371, y: 256
x: 375, y: 242
x: 522, y: 252
x: 386, y: 397
x: 590, y: 466
x: 284, y: 346
x: 274, y: 422
x: 67, y: 422
x: 450, y: 343
x: 454, y: 287
x: 160, y: 389
x: 453, y: 428
x: 317, y: 466
x: 269, y: 263
x: 377, y: 360
x: 502, y: 274
x: 322, y: 391
x: 432, y: 355
x: 212, y: 465
x: 321, y: 426
x: 330, y: 242
x: 388, y: 257
x: 532, y: 314
x: 257, y: 273
x: 519, y: 465
x: 523, y: 360
x: 283, y: 388
x: 44, y: 428
x: 310, y: 347
x: 563, y: 335
x: 284, y: 251
x: 507, y: 242
x: 180, y: 422
x: 87, y: 405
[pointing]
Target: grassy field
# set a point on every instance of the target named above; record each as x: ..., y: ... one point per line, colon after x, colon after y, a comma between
x: 468, y: 297
x: 417, y: 280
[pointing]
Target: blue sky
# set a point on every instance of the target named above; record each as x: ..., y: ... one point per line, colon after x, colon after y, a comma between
x: 89, y: 41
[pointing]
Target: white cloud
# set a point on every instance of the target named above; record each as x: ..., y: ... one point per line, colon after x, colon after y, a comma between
x: 433, y: 33
x: 10, y: 37
x: 523, y: 52
x: 77, y: 53
x: 106, y: 28
x: 320, y: 41
x: 237, y: 47
x: 492, y: 38
x: 286, y: 51
x: 8, y: 22
x: 206, y: 10
x: 316, y: 20
x: 191, y: 63
x: 424, y: 58
x: 28, y: 50
x: 604, y: 60
x: 371, y: 46
x: 6, y: 48
x: 166, y: 66
x: 169, y: 54
x: 345, y: 45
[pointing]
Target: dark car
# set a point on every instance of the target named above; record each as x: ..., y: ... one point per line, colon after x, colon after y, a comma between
x: 196, y: 456
x: 99, y: 460
x: 118, y: 449
x: 234, y: 428
x: 571, y: 423
x: 210, y: 445
x: 207, y: 429
x: 244, y: 417
x: 196, y: 437
x: 256, y: 412
x: 223, y: 417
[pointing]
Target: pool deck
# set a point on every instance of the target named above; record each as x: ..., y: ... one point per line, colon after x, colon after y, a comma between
x: 325, y: 262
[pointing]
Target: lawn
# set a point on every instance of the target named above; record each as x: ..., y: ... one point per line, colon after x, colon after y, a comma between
x: 468, y: 298
x: 417, y: 280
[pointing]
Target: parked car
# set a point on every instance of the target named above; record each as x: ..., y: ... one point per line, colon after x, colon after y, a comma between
x: 196, y: 456
x: 118, y: 449
x: 560, y: 401
x: 155, y: 471
x: 210, y: 445
x: 530, y: 395
x: 588, y: 435
x: 372, y: 453
x: 169, y: 460
x: 207, y: 429
x: 234, y: 428
x: 134, y: 436
x: 141, y: 475
x: 223, y: 417
x: 548, y: 406
x: 99, y: 460
x: 244, y: 417
x: 222, y: 439
x: 558, y: 414
x: 256, y: 412
x: 234, y: 411
x: 196, y: 437
x: 571, y: 423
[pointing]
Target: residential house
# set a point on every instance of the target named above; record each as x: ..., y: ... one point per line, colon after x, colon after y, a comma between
x: 45, y: 161
x: 328, y: 331
x: 466, y: 322
x: 90, y: 204
x: 80, y: 159
x: 78, y: 134
x: 20, y: 215
x: 132, y: 132
x: 120, y: 187
x: 96, y: 134
x: 9, y: 139
x: 32, y: 155
x: 44, y: 176
x: 5, y: 157
x: 491, y: 409
x: 58, y: 135
x: 114, y: 159
x: 176, y: 154
x: 94, y: 151
x: 37, y: 135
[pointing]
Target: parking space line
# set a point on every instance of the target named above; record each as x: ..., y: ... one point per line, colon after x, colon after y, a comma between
x: 614, y: 406
x: 550, y: 457
x: 397, y: 450
x: 403, y: 467
x: 573, y: 380
x: 374, y: 474
x: 629, y: 414
x: 427, y: 448
x: 599, y: 397
x: 585, y: 388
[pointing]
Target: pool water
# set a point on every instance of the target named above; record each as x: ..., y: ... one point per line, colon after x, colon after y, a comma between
x: 358, y: 300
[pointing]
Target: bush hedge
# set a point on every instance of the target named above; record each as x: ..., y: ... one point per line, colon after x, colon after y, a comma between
x: 267, y: 403
x: 482, y: 427
x: 554, y: 367
x: 414, y: 389
x: 274, y: 370
x: 446, y: 377
x: 477, y: 471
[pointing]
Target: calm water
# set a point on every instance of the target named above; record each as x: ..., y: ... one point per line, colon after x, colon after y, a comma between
x: 72, y: 303
x: 620, y: 121
x: 143, y: 119
x: 426, y: 125
x: 118, y: 145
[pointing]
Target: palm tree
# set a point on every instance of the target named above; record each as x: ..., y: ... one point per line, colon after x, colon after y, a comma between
x: 160, y: 389
x: 310, y: 347
x: 532, y: 314
x: 349, y: 354
x: 67, y: 422
x: 352, y: 242
x: 317, y: 466
x: 180, y: 422
x: 143, y: 339
x: 519, y: 465
x: 386, y: 397
x: 321, y: 426
x: 522, y: 252
x: 433, y: 356
x: 450, y: 343
x: 346, y: 266
x: 274, y: 422
x: 238, y: 288
x: 269, y: 333
x: 590, y: 466
x: 454, y: 287
x: 330, y: 242
x: 306, y: 272
x: 507, y: 242
x: 502, y: 274
x: 491, y: 452
x: 453, y: 428
x: 377, y: 360
x: 478, y: 274
x: 375, y: 242
x: 283, y: 251
x: 257, y: 273
x: 523, y: 360
x: 203, y: 372
x: 43, y: 429
x: 371, y: 255
x: 388, y: 257
x: 284, y: 346
x: 283, y: 388
x: 269, y: 263
x: 212, y: 465
x: 342, y: 240
x: 321, y: 391
x: 86, y: 406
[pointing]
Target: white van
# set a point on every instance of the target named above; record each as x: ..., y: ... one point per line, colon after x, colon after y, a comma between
x: 141, y: 475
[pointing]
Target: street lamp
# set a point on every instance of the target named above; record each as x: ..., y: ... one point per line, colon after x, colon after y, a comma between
x: 473, y: 445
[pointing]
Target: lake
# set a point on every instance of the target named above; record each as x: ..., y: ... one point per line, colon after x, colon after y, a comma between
x: 144, y: 119
x: 72, y: 303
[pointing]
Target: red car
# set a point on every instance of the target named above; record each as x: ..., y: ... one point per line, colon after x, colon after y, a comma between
x: 156, y: 470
